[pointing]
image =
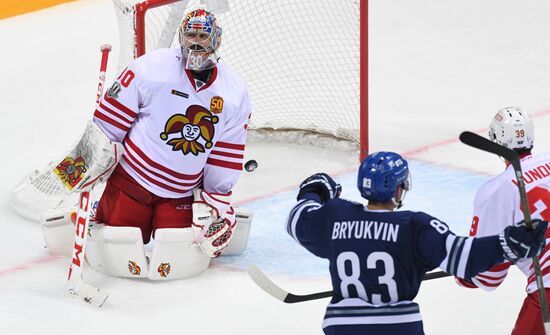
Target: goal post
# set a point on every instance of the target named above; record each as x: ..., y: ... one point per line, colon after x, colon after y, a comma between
x: 305, y: 62
x: 363, y: 79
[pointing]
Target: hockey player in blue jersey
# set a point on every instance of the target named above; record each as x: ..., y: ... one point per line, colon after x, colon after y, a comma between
x: 378, y: 256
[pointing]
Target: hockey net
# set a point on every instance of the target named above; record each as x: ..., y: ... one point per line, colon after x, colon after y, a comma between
x: 300, y: 59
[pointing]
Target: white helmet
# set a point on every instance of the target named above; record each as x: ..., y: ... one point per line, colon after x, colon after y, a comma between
x: 512, y: 128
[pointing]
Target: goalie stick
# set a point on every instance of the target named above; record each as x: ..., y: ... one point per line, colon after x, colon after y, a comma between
x: 75, y: 283
x: 278, y: 293
x: 482, y: 143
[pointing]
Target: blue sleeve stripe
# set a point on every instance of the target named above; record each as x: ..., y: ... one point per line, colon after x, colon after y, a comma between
x: 458, y: 254
x: 454, y: 255
x: 464, y: 256
x: 448, y: 244
x: 291, y: 215
x: 295, y: 215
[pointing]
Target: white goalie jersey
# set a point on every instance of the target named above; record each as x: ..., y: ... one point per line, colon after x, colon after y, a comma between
x: 497, y: 203
x: 178, y: 132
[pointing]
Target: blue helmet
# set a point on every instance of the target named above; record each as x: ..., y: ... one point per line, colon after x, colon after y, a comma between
x: 380, y: 174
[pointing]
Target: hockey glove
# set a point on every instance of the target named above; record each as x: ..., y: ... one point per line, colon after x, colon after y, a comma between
x: 518, y: 242
x: 213, y: 221
x: 321, y: 184
x: 92, y: 160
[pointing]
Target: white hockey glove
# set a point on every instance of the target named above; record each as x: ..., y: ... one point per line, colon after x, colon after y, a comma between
x: 519, y: 242
x: 213, y: 221
x: 91, y: 161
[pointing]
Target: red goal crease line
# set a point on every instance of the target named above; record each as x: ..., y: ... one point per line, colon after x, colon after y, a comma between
x: 30, y: 265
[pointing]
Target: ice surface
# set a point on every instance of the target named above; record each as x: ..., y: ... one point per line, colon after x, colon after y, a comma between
x: 436, y: 68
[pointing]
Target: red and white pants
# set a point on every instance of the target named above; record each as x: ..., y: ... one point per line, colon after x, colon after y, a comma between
x: 125, y: 203
x: 529, y: 320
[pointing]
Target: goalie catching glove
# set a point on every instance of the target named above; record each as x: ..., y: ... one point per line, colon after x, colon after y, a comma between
x: 518, y: 241
x: 213, y: 221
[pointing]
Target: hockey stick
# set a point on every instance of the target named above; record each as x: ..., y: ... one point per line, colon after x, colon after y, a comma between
x: 105, y: 49
x: 76, y: 285
x: 278, y: 293
x: 482, y: 143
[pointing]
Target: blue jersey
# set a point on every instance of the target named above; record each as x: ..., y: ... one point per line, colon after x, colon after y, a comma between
x: 378, y: 258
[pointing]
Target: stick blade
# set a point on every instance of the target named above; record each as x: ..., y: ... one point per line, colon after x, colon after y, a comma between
x: 485, y: 144
x: 266, y: 284
x: 88, y: 293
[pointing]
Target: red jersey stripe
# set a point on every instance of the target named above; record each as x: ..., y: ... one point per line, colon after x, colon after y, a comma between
x: 226, y: 145
x: 490, y: 276
x: 224, y: 164
x: 532, y: 276
x: 226, y: 154
x: 120, y: 106
x: 156, y: 182
x: 156, y: 174
x: 487, y: 284
x: 543, y: 257
x: 110, y: 111
x: 110, y: 121
x: 544, y: 270
x: 156, y: 165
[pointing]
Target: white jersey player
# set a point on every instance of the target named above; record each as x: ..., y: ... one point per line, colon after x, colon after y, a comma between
x: 497, y: 203
x: 182, y: 119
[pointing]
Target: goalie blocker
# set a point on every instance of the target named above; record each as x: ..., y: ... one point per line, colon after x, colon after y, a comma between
x: 89, y: 161
x: 119, y: 251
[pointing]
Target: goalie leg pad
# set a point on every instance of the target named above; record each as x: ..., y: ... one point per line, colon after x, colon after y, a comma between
x: 241, y: 232
x: 58, y: 230
x: 116, y: 251
x: 175, y: 256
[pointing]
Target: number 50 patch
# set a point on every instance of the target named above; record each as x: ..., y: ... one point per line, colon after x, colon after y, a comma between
x: 216, y: 104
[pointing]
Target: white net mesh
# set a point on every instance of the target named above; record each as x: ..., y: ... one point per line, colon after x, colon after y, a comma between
x: 299, y: 58
x: 125, y: 12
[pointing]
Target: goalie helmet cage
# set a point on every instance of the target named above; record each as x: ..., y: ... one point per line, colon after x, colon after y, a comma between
x: 305, y: 61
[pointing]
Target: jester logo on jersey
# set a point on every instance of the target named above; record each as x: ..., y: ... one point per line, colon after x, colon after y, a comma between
x: 197, y: 123
x: 134, y: 268
x: 71, y: 171
x: 164, y: 269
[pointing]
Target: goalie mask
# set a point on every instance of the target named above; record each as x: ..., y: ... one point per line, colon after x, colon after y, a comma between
x: 513, y: 128
x: 200, y: 37
x: 380, y: 176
